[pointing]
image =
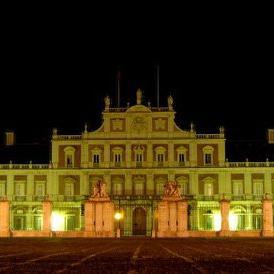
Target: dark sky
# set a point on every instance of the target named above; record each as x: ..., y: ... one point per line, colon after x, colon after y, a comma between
x: 56, y: 75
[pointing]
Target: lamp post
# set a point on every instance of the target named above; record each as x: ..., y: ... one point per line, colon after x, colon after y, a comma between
x: 118, y: 216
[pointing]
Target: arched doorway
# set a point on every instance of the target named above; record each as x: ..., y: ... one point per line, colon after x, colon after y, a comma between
x: 139, y: 221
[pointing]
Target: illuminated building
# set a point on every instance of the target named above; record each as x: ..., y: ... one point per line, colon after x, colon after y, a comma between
x: 136, y: 151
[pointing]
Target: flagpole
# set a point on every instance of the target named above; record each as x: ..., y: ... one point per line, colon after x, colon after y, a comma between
x: 118, y: 87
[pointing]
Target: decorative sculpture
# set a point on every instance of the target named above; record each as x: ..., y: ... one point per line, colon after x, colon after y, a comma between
x: 99, y: 190
x: 170, y: 102
x: 172, y: 190
x: 107, y: 103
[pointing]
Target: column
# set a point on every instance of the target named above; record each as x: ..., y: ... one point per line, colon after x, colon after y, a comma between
x: 128, y: 155
x: 224, y: 206
x: 149, y: 154
x: 170, y: 154
x: 267, y: 186
x: 98, y: 217
x: 248, y: 183
x: 172, y: 216
x: 163, y: 218
x: 150, y: 184
x: 84, y: 184
x: 107, y: 180
x: 193, y: 154
x: 193, y: 184
x: 47, y: 209
x: 84, y: 154
x: 54, y: 154
x: 108, y: 218
x: 267, y: 218
x: 29, y: 224
x: 222, y: 183
x: 10, y: 186
x: 128, y: 184
x: 4, y: 218
x: 221, y: 153
x: 30, y: 187
x: 182, y: 217
x: 107, y: 154
x: 89, y: 217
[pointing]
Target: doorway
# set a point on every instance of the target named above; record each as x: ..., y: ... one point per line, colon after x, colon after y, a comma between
x: 139, y: 221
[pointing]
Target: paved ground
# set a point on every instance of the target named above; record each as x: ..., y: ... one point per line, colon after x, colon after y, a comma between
x: 137, y: 255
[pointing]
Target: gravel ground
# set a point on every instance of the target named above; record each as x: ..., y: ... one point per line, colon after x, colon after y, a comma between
x: 137, y: 255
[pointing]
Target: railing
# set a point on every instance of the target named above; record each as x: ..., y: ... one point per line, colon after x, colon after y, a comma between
x: 67, y: 137
x: 249, y: 164
x: 25, y: 166
x: 210, y: 136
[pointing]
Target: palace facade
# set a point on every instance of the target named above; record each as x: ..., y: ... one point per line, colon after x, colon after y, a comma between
x: 136, y: 151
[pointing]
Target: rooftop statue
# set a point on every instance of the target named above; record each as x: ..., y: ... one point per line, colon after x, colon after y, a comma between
x: 170, y: 102
x: 139, y: 96
x: 107, y: 102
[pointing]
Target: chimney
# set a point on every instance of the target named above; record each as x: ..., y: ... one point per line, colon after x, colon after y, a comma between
x: 9, y: 138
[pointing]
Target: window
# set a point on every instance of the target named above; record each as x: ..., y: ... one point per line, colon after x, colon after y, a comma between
x: 160, y: 188
x: 96, y: 156
x: 258, y: 188
x: 20, y: 189
x: 208, y: 189
x: 237, y: 187
x: 117, y: 156
x: 117, y: 188
x: 160, y: 155
x: 69, y: 156
x: 181, y: 155
x: 69, y: 189
x: 208, y: 159
x: 139, y: 155
x: 208, y: 155
x: 2, y: 189
x: 183, y: 188
x: 40, y: 189
x: 138, y: 188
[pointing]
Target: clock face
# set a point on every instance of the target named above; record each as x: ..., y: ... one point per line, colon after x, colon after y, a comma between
x: 139, y: 124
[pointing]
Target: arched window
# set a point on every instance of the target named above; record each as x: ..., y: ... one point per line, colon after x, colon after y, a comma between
x: 69, y: 157
x: 182, y: 181
x: 181, y: 155
x: 208, y: 186
x: 139, y: 151
x: 96, y: 156
x: 208, y: 155
x: 117, y: 156
x: 160, y: 152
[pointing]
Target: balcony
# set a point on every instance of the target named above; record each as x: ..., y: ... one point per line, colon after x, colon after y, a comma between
x: 20, y: 198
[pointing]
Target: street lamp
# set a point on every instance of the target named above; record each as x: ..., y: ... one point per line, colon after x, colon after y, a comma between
x: 118, y: 216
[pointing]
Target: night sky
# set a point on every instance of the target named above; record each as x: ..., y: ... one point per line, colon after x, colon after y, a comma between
x: 57, y: 76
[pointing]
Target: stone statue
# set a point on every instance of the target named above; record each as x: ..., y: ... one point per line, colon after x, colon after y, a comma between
x: 170, y: 102
x: 172, y: 190
x: 107, y: 103
x: 139, y: 96
x: 99, y: 190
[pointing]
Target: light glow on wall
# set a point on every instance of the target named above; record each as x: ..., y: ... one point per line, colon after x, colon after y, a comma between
x: 57, y: 221
x: 217, y: 219
x: 233, y: 221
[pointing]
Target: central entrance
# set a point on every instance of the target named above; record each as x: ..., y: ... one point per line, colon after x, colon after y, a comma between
x: 139, y: 221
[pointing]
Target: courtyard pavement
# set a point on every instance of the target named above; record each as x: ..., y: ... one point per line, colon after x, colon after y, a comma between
x: 136, y: 255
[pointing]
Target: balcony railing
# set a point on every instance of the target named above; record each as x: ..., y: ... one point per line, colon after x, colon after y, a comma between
x: 25, y: 166
x: 210, y: 136
x: 67, y: 137
x: 249, y: 164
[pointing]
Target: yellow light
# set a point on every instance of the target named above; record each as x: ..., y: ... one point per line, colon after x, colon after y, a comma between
x: 118, y: 216
x: 233, y: 221
x: 217, y: 219
x: 57, y: 221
